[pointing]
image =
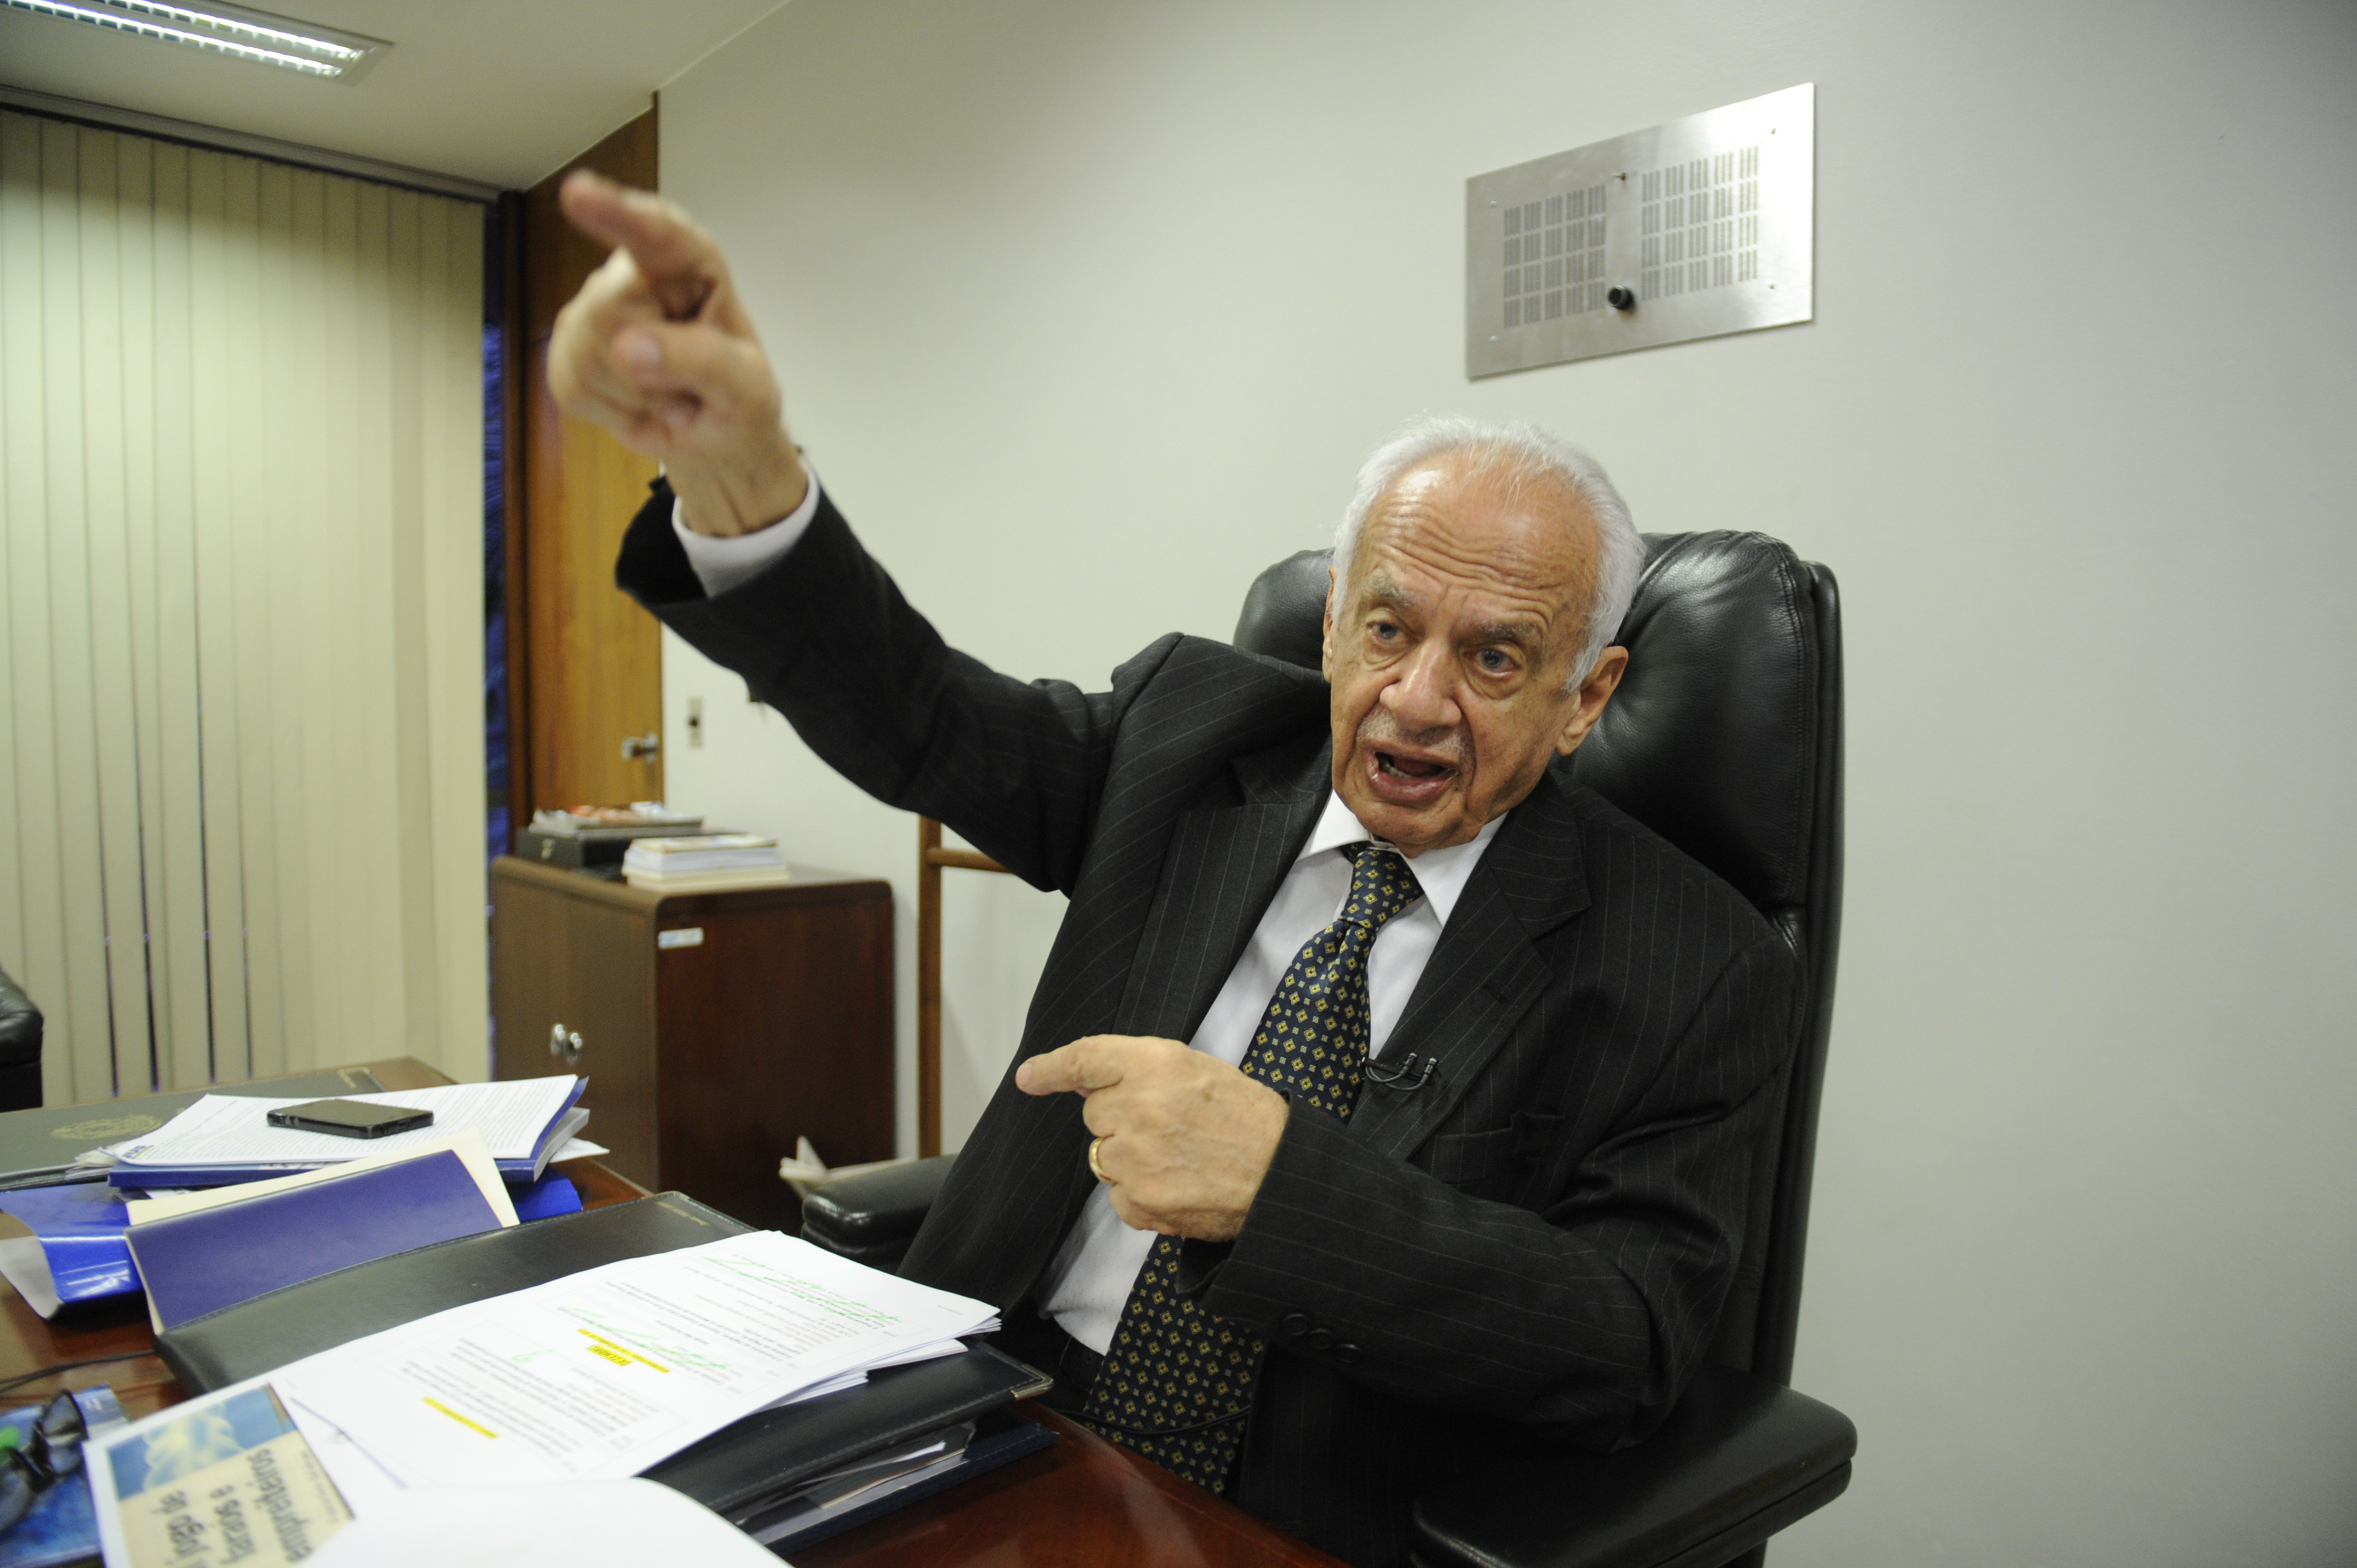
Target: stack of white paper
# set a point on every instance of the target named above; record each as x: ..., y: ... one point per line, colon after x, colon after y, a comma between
x: 704, y: 863
x: 228, y: 1138
x: 600, y: 1375
x: 578, y: 1523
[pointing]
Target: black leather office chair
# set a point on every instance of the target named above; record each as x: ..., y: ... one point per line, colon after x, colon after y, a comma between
x: 1726, y: 738
x: 20, y: 1049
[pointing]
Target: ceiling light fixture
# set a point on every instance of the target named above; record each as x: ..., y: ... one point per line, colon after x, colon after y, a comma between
x: 255, y: 36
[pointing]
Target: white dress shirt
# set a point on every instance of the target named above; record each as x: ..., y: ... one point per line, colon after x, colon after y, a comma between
x: 1086, y: 1285
x: 721, y: 563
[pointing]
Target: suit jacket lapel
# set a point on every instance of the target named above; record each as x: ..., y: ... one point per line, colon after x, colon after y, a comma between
x: 1484, y: 973
x: 1224, y: 866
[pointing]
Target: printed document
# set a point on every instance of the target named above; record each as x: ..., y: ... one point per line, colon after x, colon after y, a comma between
x: 577, y: 1523
x: 234, y: 1130
x: 605, y: 1372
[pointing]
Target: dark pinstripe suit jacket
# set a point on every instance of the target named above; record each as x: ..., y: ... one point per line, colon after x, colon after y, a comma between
x: 1531, y: 1246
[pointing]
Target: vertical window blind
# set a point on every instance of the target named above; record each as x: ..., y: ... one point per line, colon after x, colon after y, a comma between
x: 240, y: 439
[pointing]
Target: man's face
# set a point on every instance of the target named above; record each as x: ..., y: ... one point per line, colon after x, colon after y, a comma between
x: 1450, y: 651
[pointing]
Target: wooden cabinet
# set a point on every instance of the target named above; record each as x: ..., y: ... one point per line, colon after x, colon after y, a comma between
x: 716, y: 1029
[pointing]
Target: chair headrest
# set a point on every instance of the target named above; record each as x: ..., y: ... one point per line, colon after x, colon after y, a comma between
x: 1285, y: 610
x: 1711, y: 740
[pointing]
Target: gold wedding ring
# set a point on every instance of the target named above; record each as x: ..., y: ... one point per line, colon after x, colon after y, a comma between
x: 1095, y: 1168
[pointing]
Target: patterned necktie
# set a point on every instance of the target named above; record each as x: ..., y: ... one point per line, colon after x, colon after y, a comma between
x: 1178, y: 1382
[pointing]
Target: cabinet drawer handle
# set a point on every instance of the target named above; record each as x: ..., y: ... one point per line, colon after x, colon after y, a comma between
x: 566, y: 1043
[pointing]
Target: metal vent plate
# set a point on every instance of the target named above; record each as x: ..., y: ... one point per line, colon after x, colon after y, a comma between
x: 1708, y: 224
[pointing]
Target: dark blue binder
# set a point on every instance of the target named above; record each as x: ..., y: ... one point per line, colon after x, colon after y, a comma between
x: 199, y: 1262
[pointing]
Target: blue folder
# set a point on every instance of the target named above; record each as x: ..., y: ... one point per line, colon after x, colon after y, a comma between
x: 80, y: 1231
x: 199, y: 1262
x: 81, y: 1228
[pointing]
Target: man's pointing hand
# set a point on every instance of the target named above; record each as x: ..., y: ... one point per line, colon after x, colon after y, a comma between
x: 1186, y: 1138
x: 658, y: 348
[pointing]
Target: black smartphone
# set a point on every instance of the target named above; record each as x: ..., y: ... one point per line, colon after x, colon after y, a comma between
x: 351, y: 1118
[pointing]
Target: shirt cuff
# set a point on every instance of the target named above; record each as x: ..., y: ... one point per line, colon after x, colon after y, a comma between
x: 721, y: 564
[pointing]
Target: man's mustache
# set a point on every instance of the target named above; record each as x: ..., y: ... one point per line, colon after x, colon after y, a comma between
x: 1379, y: 728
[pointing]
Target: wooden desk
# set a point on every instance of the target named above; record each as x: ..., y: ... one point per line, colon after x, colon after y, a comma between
x: 1083, y: 1503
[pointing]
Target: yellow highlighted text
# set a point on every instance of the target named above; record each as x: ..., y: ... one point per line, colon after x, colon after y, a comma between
x: 461, y: 1420
x: 622, y: 1355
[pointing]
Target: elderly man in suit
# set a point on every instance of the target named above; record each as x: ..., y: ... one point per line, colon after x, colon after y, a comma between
x: 1386, y: 1103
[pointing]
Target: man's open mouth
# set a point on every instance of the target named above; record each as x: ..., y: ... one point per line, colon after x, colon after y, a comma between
x: 1400, y: 767
x: 1407, y: 778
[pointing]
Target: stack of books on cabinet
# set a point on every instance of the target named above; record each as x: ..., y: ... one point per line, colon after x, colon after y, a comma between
x: 704, y: 863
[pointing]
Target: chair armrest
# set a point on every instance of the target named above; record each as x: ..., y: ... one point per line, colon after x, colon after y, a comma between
x: 872, y: 1218
x: 1739, y: 1459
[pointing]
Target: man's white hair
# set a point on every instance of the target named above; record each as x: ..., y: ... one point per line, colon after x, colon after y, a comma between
x: 1517, y: 457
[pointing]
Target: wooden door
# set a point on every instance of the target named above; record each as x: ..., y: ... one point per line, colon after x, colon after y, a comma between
x: 592, y: 675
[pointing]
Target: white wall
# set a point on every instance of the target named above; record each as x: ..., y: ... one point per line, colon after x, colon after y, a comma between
x: 1087, y: 312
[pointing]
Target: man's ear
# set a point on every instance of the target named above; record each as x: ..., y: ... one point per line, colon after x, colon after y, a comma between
x: 1326, y: 642
x: 1594, y: 693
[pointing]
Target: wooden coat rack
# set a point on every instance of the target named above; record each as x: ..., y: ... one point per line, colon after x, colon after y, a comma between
x: 931, y: 858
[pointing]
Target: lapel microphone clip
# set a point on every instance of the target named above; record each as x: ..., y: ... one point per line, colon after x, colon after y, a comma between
x: 1393, y: 1075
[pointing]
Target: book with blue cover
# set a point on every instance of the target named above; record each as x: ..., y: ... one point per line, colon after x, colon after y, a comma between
x: 198, y: 1262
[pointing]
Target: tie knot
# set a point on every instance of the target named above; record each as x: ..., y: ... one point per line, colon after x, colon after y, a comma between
x: 1380, y: 885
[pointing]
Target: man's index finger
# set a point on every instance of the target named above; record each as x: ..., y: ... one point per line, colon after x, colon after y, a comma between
x: 675, y: 259
x: 1082, y: 1067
